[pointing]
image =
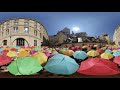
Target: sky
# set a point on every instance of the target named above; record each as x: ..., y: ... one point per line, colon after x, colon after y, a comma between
x: 93, y: 23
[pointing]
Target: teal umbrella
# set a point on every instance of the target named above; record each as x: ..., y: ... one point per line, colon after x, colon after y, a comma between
x: 61, y: 64
x: 37, y: 48
x: 1, y: 49
x: 80, y: 55
x: 109, y: 51
x: 116, y: 53
x: 24, y: 66
x: 17, y: 47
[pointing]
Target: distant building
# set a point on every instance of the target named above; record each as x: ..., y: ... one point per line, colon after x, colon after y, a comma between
x: 106, y: 37
x: 81, y: 34
x: 65, y: 31
x: 116, y: 35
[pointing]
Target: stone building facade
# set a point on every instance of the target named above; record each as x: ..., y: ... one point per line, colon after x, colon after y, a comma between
x: 22, y: 32
x: 116, y: 35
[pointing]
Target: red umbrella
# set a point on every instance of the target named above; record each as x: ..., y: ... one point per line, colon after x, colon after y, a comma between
x: 13, y: 49
x: 98, y: 66
x: 4, y: 60
x: 72, y: 48
x: 100, y: 50
x: 117, y: 60
x: 4, y: 52
x: 77, y: 48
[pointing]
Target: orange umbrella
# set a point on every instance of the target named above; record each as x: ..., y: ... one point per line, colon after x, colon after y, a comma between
x: 23, y: 54
x: 69, y: 52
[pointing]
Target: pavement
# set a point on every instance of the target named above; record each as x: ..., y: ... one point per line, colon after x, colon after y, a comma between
x: 49, y: 75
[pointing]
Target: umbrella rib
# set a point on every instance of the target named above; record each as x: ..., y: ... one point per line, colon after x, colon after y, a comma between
x: 17, y: 67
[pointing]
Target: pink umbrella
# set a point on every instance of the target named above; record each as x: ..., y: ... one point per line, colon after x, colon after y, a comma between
x: 4, y: 52
x: 117, y: 60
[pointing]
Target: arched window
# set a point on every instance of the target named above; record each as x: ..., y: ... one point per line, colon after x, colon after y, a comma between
x: 4, y: 42
x: 20, y: 42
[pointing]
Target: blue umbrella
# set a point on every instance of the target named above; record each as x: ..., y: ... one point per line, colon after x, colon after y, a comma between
x: 61, y: 64
x: 80, y: 55
x: 109, y: 51
x: 116, y: 53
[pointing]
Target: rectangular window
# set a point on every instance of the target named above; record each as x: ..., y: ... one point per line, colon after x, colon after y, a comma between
x: 7, y: 32
x: 35, y: 25
x: 2, y: 33
x: 26, y: 29
x: 41, y: 35
x: 35, y: 32
x: 26, y: 22
x: 7, y: 24
x: 15, y: 22
x: 35, y: 42
x: 15, y: 29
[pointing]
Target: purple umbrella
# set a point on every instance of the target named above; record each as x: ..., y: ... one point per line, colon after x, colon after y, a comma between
x: 47, y: 54
x: 33, y: 51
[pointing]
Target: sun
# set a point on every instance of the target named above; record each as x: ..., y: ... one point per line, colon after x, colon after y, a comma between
x: 76, y: 29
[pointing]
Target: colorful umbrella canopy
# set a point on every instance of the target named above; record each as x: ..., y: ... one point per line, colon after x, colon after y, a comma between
x: 24, y: 66
x: 61, y: 64
x: 37, y: 48
x: 117, y: 60
x: 21, y: 49
x: 47, y: 54
x: 4, y: 52
x: 4, y: 60
x: 13, y: 49
x: 116, y: 53
x: 7, y: 48
x: 12, y: 54
x: 100, y: 50
x: 98, y: 66
x: 106, y: 55
x: 23, y: 54
x: 40, y: 57
x: 92, y: 53
x: 84, y: 47
x: 33, y: 52
x: 62, y: 51
x: 80, y: 55
x: 109, y: 51
x: 69, y: 52
x: 72, y: 48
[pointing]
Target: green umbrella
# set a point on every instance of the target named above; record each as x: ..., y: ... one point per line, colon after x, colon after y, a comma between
x: 24, y: 66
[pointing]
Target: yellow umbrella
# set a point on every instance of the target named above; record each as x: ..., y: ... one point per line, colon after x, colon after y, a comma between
x: 21, y: 49
x: 12, y: 54
x: 40, y: 57
x: 27, y: 49
x: 95, y: 45
x: 106, y: 55
x: 53, y: 51
x: 69, y: 52
x: 114, y: 50
x: 23, y: 54
x: 84, y: 47
x: 93, y: 53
